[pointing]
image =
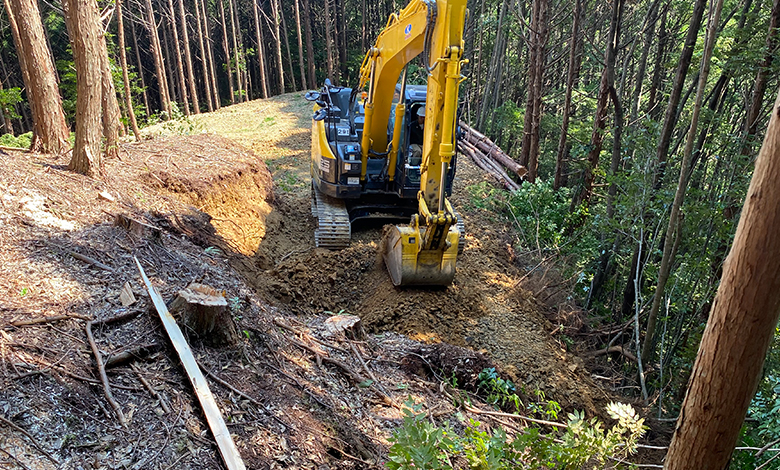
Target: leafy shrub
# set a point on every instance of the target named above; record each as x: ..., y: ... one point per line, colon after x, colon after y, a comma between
x: 419, y: 444
x: 21, y: 141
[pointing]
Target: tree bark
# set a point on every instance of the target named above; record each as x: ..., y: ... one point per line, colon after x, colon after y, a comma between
x: 575, y: 59
x: 179, y: 61
x: 141, y: 72
x: 84, y: 29
x: 667, y: 259
x: 227, y: 52
x: 759, y: 88
x: 741, y: 325
x: 159, y: 61
x: 188, y: 58
x: 234, y: 27
x: 125, y: 74
x: 260, y: 53
x: 279, y: 64
x: 300, y: 44
x: 533, y: 112
x: 670, y: 118
x: 112, y: 116
x: 600, y: 122
x: 49, y: 125
x: 210, y: 50
x: 287, y: 46
x: 309, y: 44
x: 328, y: 39
x: 204, y: 59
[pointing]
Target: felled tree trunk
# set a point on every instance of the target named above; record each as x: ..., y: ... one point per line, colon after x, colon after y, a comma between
x: 203, y: 311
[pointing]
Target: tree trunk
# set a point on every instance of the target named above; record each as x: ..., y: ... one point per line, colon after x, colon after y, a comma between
x: 112, y: 116
x: 658, y: 68
x: 304, y: 85
x: 234, y: 29
x: 759, y: 88
x: 343, y: 40
x: 179, y: 62
x: 741, y: 325
x: 125, y: 74
x: 188, y: 58
x: 85, y: 31
x: 20, y: 55
x: 328, y: 39
x: 49, y: 125
x: 575, y: 59
x: 204, y: 59
x: 227, y: 52
x: 682, y: 185
x: 670, y: 118
x: 287, y: 46
x: 279, y: 64
x: 210, y: 50
x: 494, y: 70
x: 640, y: 72
x: 309, y: 44
x: 159, y: 61
x: 141, y: 72
x: 533, y: 114
x: 260, y: 53
x: 600, y: 121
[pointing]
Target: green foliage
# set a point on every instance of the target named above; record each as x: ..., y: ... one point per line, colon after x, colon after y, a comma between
x: 498, y: 392
x: 9, y: 98
x: 420, y: 444
x: 21, y: 141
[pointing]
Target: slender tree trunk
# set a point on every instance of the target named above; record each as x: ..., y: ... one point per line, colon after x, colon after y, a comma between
x: 210, y: 51
x: 642, y: 67
x: 494, y: 70
x: 234, y: 29
x: 343, y: 40
x: 309, y: 44
x: 125, y: 74
x: 287, y: 46
x: 49, y: 125
x: 670, y: 119
x: 759, y: 87
x: 534, y: 108
x: 328, y: 39
x: 159, y: 61
x: 141, y: 72
x: 84, y: 29
x: 658, y: 68
x: 179, y: 62
x: 227, y: 52
x: 112, y: 116
x: 575, y: 58
x: 300, y: 43
x: 260, y: 53
x: 672, y: 229
x: 279, y: 64
x: 600, y: 122
x: 188, y: 58
x: 204, y: 59
x: 741, y: 325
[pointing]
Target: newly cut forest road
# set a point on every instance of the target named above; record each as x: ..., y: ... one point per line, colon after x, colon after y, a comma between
x: 484, y: 309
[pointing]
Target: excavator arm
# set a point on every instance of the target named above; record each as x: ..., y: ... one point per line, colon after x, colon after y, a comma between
x: 423, y: 253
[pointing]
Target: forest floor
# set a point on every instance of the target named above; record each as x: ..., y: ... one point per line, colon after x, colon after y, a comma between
x: 227, y: 195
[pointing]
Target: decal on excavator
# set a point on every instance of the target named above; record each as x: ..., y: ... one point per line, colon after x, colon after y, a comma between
x: 408, y: 31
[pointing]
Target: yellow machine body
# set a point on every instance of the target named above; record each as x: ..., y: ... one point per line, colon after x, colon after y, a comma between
x: 424, y: 252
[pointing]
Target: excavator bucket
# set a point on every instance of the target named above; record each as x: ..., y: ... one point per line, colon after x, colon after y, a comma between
x: 410, y: 265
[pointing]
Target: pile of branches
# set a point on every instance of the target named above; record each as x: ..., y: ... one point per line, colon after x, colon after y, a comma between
x: 488, y: 156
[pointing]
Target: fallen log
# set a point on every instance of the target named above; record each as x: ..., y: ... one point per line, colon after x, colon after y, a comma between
x: 492, y: 150
x: 485, y: 164
x: 227, y: 447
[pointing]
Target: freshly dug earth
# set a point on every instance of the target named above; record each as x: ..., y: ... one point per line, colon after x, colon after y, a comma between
x: 484, y: 309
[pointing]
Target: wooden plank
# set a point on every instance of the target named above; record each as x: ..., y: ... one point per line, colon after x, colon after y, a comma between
x: 221, y: 434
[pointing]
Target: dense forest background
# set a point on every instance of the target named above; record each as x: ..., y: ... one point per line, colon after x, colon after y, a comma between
x: 639, y: 142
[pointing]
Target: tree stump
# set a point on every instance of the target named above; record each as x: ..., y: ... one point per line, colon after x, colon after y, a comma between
x: 203, y: 311
x: 349, y: 325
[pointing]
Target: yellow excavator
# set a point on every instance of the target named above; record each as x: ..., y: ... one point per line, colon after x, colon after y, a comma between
x: 389, y: 151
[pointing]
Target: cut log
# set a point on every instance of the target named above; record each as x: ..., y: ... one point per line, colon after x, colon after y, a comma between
x: 488, y: 165
x: 138, y: 228
x: 491, y: 150
x: 348, y: 324
x: 203, y: 311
